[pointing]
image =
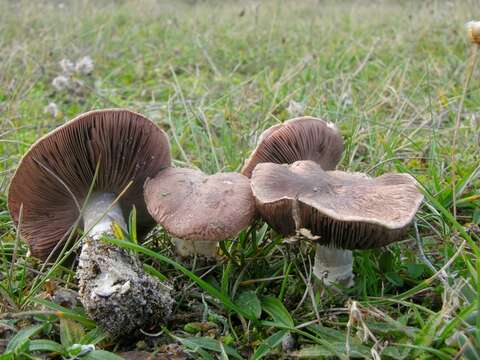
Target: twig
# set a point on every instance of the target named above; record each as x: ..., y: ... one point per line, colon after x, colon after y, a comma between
x: 15, y: 248
x: 469, y: 74
x: 423, y: 256
x: 253, y: 281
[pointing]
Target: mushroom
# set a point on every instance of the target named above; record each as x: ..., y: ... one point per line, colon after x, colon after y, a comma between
x: 473, y: 28
x: 338, y: 210
x: 199, y: 210
x: 50, y: 187
x: 304, y: 138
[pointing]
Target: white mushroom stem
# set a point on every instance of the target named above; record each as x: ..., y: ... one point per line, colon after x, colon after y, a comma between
x: 114, y: 288
x: 333, y: 266
x: 99, y: 215
x: 187, y: 248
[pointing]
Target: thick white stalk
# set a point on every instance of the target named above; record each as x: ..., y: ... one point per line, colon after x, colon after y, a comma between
x: 186, y: 248
x: 333, y: 266
x: 114, y: 289
x: 99, y: 215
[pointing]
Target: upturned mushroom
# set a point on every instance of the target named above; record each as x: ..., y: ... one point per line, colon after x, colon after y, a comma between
x: 338, y: 210
x: 50, y: 188
x: 199, y: 210
x: 303, y: 138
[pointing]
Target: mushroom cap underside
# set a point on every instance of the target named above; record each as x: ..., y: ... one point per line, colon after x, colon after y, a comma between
x: 55, y: 175
x: 304, y: 138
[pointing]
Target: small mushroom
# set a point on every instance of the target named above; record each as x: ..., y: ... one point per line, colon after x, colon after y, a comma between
x: 303, y: 138
x: 338, y: 210
x: 199, y: 210
x: 473, y: 28
x: 50, y: 188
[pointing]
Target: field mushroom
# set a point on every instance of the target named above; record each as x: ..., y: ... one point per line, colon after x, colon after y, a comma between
x: 303, y: 138
x: 199, y: 210
x: 50, y: 187
x: 473, y: 28
x: 338, y: 210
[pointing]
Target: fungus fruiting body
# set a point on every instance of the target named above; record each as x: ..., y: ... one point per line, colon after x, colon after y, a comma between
x: 199, y: 210
x: 338, y: 210
x: 474, y: 31
x: 303, y: 138
x: 51, y: 186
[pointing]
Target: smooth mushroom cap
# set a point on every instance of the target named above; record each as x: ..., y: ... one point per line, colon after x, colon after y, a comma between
x: 304, y: 138
x: 191, y: 205
x: 345, y: 210
x: 128, y: 147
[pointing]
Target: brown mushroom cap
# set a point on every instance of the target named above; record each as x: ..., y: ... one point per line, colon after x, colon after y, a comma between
x: 346, y: 210
x: 191, y: 205
x: 304, y: 138
x: 128, y: 146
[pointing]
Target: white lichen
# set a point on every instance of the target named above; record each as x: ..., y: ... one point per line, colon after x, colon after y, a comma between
x: 67, y: 66
x: 61, y: 83
x: 295, y: 108
x: 51, y: 109
x: 84, y: 66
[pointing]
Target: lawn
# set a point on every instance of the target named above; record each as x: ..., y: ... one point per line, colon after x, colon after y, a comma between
x: 214, y: 75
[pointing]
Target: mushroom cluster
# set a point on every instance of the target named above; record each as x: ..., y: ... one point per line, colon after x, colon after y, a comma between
x: 298, y: 193
x: 92, y: 171
x: 338, y: 210
x: 96, y: 168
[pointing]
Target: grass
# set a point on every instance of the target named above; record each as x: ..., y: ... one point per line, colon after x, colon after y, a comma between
x: 214, y: 75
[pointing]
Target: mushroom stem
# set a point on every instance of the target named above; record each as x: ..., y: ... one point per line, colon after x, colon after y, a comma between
x: 187, y: 248
x: 98, y: 205
x: 333, y: 265
x: 114, y: 289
